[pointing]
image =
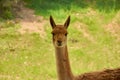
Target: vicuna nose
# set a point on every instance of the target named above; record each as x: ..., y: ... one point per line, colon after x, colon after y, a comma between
x: 59, y: 41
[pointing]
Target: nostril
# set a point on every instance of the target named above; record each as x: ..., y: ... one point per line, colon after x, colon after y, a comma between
x: 59, y: 41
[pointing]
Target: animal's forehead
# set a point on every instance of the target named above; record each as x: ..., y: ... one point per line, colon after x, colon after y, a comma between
x: 59, y: 29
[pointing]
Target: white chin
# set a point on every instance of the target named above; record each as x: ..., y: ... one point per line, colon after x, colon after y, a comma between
x: 59, y: 46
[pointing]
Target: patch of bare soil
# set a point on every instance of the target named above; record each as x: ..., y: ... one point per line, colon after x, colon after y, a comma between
x: 85, y: 32
x: 83, y: 27
x: 114, y: 26
x: 29, y: 22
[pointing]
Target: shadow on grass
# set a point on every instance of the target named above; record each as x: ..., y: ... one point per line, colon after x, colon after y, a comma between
x: 108, y: 5
x: 45, y: 7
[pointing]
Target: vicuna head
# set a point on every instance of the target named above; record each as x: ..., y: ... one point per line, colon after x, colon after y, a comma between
x: 59, y: 32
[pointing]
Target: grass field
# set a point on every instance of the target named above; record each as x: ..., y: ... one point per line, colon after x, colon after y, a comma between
x: 93, y: 41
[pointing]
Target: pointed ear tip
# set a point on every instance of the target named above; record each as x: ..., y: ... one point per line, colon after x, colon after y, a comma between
x: 69, y: 16
x: 50, y: 16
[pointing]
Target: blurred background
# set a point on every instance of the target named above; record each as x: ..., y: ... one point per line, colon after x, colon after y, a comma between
x: 26, y: 49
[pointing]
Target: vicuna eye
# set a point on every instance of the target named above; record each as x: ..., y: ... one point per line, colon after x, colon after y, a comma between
x: 53, y: 34
x: 65, y: 34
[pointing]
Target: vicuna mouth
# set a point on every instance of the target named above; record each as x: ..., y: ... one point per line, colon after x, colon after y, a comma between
x: 59, y: 44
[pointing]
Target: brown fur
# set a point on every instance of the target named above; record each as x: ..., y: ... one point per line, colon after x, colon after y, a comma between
x: 63, y: 66
x: 102, y: 75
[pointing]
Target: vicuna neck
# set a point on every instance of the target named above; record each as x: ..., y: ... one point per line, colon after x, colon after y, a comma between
x: 63, y: 65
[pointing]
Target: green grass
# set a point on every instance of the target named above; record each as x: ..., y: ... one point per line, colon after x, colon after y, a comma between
x: 25, y: 57
x: 30, y: 57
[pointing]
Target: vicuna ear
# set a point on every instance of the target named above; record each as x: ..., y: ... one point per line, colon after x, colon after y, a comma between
x: 67, y: 22
x: 52, y: 22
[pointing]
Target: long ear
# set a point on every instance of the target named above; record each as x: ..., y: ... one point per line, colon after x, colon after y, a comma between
x: 52, y: 22
x: 67, y: 22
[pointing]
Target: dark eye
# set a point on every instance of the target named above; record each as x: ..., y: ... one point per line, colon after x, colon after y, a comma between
x: 65, y: 34
x: 53, y: 34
